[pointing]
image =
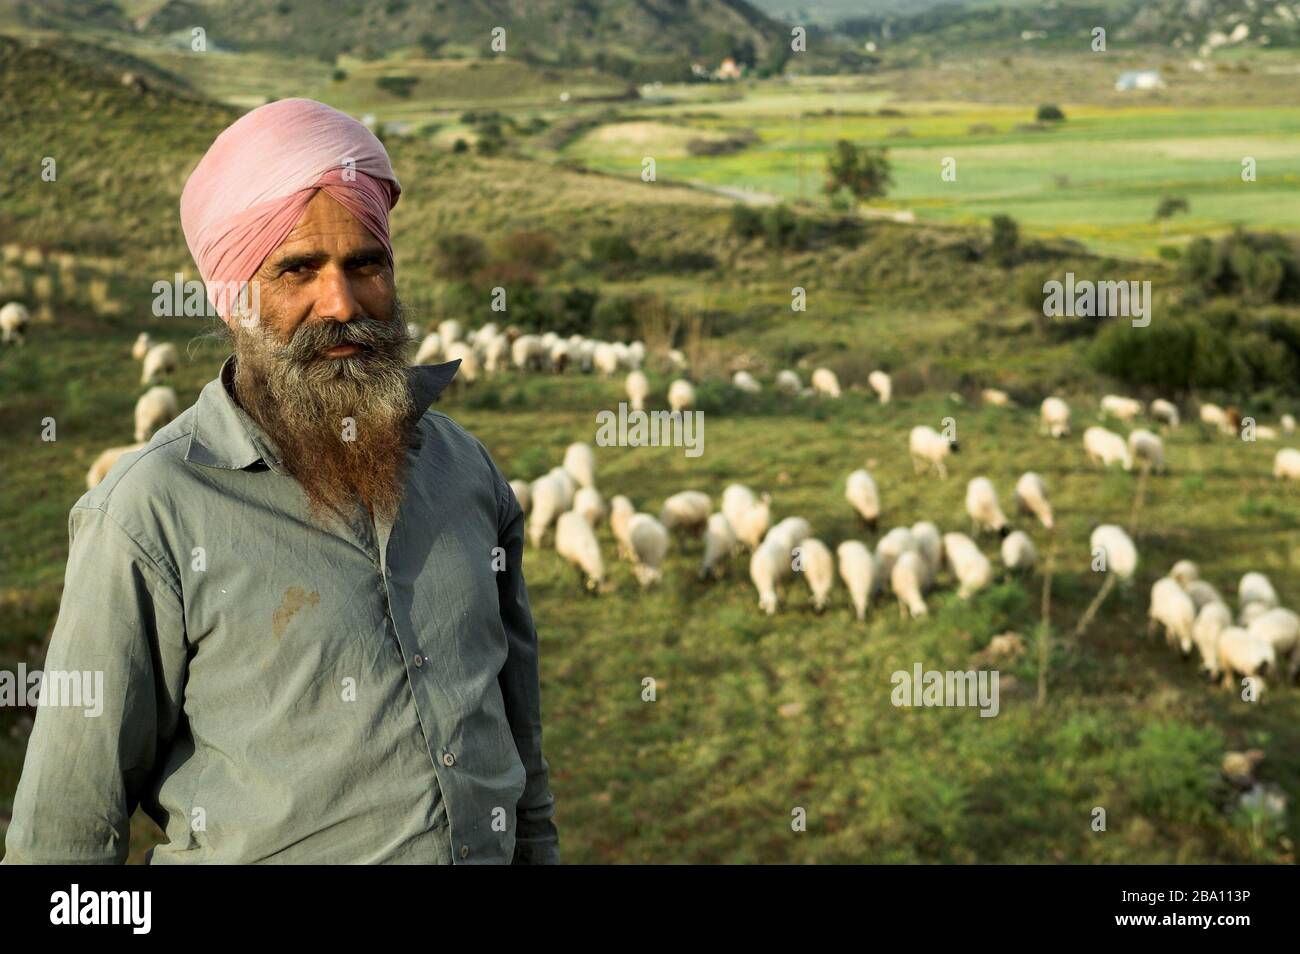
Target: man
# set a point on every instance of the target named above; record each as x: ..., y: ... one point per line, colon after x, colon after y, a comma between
x: 305, y: 595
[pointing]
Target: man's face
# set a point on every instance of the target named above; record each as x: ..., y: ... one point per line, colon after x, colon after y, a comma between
x: 324, y: 371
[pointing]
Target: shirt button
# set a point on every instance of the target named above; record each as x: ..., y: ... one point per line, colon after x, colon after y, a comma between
x: 464, y: 851
x: 419, y: 660
x: 448, y: 759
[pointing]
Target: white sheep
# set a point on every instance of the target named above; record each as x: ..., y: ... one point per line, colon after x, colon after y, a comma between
x: 863, y: 497
x: 1250, y: 612
x: 1288, y: 423
x: 928, y: 449
x: 983, y: 508
x: 719, y: 542
x: 1123, y: 408
x: 826, y: 383
x: 971, y: 567
x: 450, y: 330
x: 744, y: 381
x: 1286, y: 464
x: 621, y: 513
x: 677, y: 360
x: 141, y: 347
x: 496, y: 354
x: 1185, y: 572
x: 104, y: 463
x: 1117, y: 548
x: 568, y: 485
x: 818, y: 567
x: 907, y: 580
x: 1106, y: 447
x: 468, y: 372
x: 736, y: 500
x: 648, y: 540
x: 688, y: 510
x: 1054, y: 417
x: 1031, y: 497
x: 605, y: 359
x: 1148, y: 450
x: 14, y: 319
x: 929, y: 543
x: 1256, y: 588
x: 1216, y: 417
x: 753, y: 523
x: 790, y: 532
x: 635, y: 355
x: 548, y: 502
x: 995, y: 397
x: 523, y: 493
x: 858, y: 572
x: 787, y: 382
x: 768, y: 566
x: 1166, y: 412
x: 681, y: 395
x: 430, y: 350
x: 638, y: 389
x: 1172, y: 609
x: 1243, y: 654
x: 154, y: 409
x: 1211, y: 620
x: 882, y: 384
x: 575, y: 541
x: 891, y: 546
x: 1018, y: 552
x: 161, y: 359
x: 588, y: 502
x: 527, y: 353
x: 580, y: 462
x: 1281, y: 628
x: 1202, y: 593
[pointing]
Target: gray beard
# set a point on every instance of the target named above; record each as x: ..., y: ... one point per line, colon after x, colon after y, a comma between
x: 341, y: 424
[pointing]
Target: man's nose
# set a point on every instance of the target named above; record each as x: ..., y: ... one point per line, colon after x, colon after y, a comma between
x: 335, y: 300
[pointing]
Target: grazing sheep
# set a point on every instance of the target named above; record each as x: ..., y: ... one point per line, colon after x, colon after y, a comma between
x: 744, y: 381
x: 648, y: 542
x: 1280, y: 628
x: 982, y: 506
x: 928, y: 449
x: 1211, y: 620
x: 929, y: 543
x: 548, y: 498
x: 527, y: 353
x: 496, y: 354
x: 1288, y: 423
x: 1256, y: 588
x: 450, y: 331
x: 523, y: 493
x: 605, y: 359
x: 568, y: 486
x: 1054, y: 417
x: 681, y: 395
x: 1243, y: 654
x: 969, y: 565
x: 430, y: 350
x: 638, y: 388
x: 1031, y: 497
x: 1286, y: 465
x: 790, y: 532
x: 891, y: 546
x: 588, y: 502
x: 575, y: 541
x: 826, y: 383
x: 753, y: 524
x: 1166, y: 412
x: 1018, y: 552
x: 736, y: 500
x: 1174, y: 610
x: 1106, y: 447
x: 995, y: 397
x: 580, y: 462
x: 688, y: 510
x: 468, y: 372
x: 104, y: 463
x: 818, y: 570
x: 621, y: 513
x: 858, y: 571
x: 1120, y: 553
x: 155, y: 408
x: 161, y: 359
x: 1202, y: 593
x: 635, y: 355
x: 768, y: 565
x: 1122, y: 408
x: 1218, y: 418
x: 882, y: 384
x: 787, y: 382
x: 141, y: 347
x: 719, y: 542
x: 1148, y: 450
x: 863, y: 497
x: 14, y: 319
x: 907, y: 580
x: 1185, y: 572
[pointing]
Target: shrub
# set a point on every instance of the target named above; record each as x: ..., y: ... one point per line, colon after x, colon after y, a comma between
x: 1049, y: 113
x: 1005, y: 240
x: 746, y: 221
x: 613, y: 250
x: 533, y: 248
x: 399, y: 86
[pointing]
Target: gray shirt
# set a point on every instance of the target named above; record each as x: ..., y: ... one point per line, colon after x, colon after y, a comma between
x: 273, y: 691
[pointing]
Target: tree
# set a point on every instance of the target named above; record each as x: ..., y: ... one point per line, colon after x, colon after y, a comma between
x: 1050, y: 113
x: 1006, y: 239
x: 1169, y: 206
x: 864, y: 172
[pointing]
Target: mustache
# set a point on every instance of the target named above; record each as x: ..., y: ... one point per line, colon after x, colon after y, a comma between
x: 311, y: 340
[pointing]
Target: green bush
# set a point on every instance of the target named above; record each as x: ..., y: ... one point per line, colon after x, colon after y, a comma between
x: 613, y: 250
x: 1005, y: 240
x: 1049, y: 113
x: 746, y: 221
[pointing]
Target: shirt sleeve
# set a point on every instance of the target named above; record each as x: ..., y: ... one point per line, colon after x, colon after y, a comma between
x: 120, y: 638
x: 536, y: 838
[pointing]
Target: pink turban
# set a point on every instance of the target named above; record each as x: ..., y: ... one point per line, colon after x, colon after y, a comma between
x: 252, y: 185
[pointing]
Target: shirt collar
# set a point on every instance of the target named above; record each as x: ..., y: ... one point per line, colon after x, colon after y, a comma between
x: 225, y: 436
